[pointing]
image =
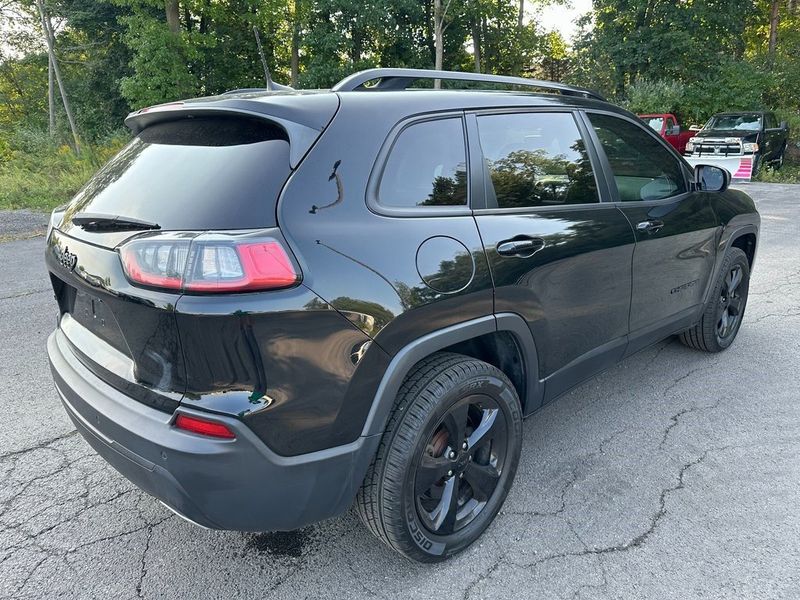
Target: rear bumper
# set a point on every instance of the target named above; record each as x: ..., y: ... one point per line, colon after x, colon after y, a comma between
x: 235, y: 484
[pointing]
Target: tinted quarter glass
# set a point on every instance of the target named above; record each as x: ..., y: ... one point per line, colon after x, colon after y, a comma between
x: 201, y: 173
x: 643, y: 168
x: 535, y: 159
x: 427, y: 166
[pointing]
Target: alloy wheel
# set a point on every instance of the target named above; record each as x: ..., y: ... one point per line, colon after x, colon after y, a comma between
x: 461, y: 465
x: 731, y: 303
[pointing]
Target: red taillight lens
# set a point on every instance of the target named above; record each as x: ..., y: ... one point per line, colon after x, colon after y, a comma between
x: 203, y: 427
x: 157, y: 261
x: 210, y: 262
x: 242, y: 267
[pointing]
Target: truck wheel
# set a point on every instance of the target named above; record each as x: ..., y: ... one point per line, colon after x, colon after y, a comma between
x: 724, y: 312
x: 447, y: 459
x: 756, y: 166
x: 779, y: 162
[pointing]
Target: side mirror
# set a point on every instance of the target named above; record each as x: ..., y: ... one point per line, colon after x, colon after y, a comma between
x: 784, y: 125
x: 708, y: 178
x: 674, y: 130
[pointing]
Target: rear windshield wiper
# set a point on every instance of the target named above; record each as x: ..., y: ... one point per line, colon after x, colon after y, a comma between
x: 96, y: 222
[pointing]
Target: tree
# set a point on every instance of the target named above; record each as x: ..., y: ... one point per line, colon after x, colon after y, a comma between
x: 440, y: 8
x: 657, y: 39
x: 172, y: 11
x: 47, y: 31
x: 160, y: 63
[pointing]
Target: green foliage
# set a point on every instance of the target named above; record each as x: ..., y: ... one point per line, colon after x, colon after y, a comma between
x: 655, y: 96
x: 38, y: 173
x: 18, y: 103
x: 787, y: 174
x: 660, y: 39
x: 94, y: 59
x: 731, y: 85
x: 160, y: 63
x: 553, y: 57
x: 792, y: 118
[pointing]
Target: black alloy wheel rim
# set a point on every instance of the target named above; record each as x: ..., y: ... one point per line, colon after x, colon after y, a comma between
x: 461, y: 465
x: 731, y: 303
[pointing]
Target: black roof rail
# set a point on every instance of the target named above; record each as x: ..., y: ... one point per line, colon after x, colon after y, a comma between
x: 401, y: 79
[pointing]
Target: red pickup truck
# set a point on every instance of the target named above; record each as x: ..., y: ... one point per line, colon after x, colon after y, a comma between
x: 669, y: 128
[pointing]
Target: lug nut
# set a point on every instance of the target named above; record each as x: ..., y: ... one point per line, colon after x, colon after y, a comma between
x: 449, y: 473
x: 461, y: 476
x: 452, y: 455
x: 465, y: 445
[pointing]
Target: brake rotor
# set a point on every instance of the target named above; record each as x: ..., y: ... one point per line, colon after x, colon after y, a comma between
x: 438, y: 443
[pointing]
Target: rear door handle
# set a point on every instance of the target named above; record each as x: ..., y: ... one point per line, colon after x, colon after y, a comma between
x: 520, y: 246
x: 650, y: 226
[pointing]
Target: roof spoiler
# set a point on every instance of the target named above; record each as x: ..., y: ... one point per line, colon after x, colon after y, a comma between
x: 302, y: 118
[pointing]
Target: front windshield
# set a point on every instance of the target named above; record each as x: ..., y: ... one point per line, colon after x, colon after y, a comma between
x: 655, y: 122
x: 734, y: 123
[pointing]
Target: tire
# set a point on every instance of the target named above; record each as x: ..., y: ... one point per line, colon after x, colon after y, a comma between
x: 421, y: 445
x: 779, y: 161
x: 757, y: 160
x: 711, y: 334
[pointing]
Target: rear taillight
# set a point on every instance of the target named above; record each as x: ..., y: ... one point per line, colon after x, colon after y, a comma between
x: 203, y: 427
x: 209, y: 262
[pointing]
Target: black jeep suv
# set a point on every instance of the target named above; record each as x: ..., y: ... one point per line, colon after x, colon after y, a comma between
x: 275, y: 303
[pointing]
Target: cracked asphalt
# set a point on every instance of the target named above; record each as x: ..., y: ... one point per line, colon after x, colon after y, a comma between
x: 674, y: 475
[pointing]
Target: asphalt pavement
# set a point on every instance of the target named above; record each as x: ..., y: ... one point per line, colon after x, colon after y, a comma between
x: 674, y: 475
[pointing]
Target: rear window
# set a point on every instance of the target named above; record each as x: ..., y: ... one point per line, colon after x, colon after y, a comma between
x: 200, y: 173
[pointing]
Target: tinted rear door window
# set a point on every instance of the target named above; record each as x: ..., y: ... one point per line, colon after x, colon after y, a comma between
x: 202, y: 173
x: 535, y: 159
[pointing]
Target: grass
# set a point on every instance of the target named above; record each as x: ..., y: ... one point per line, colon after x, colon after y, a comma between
x: 789, y: 173
x: 39, y: 174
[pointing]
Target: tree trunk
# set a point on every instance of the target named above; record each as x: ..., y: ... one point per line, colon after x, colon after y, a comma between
x: 173, y: 15
x: 476, y: 43
x: 51, y: 93
x: 521, y: 14
x: 50, y: 39
x: 295, y: 59
x: 438, y: 28
x: 357, y: 44
x: 774, y: 18
x: 430, y: 44
x: 486, y: 47
x: 51, y: 98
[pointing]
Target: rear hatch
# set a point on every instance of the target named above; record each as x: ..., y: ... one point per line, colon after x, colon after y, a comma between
x: 191, y: 186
